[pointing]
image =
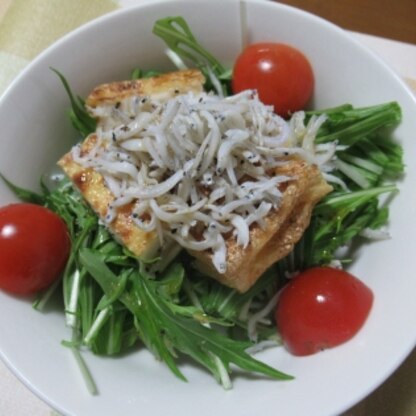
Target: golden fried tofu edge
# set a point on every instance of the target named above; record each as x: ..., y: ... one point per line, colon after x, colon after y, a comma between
x: 164, y: 86
x: 284, y: 228
x: 91, y: 183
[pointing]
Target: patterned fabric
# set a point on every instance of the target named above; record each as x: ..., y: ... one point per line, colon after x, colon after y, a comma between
x: 28, y: 27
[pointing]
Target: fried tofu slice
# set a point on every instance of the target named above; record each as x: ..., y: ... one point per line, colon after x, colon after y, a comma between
x: 92, y: 186
x: 283, y: 229
x: 161, y: 87
x: 91, y: 183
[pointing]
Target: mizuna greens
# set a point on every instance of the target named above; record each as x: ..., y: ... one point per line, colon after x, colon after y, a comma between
x: 113, y: 303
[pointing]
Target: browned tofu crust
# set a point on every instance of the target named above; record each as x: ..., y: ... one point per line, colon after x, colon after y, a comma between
x: 93, y: 188
x: 284, y: 228
x: 165, y: 85
x: 91, y: 183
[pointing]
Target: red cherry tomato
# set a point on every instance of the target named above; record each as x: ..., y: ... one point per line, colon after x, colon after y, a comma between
x: 321, y: 308
x: 281, y: 74
x: 34, y: 247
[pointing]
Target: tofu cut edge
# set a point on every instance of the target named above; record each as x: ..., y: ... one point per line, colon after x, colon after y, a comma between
x: 91, y: 183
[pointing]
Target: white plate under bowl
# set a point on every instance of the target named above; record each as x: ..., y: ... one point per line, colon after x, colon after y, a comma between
x: 35, y: 132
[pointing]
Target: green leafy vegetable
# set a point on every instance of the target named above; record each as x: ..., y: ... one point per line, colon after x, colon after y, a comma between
x: 180, y: 39
x: 164, y: 328
x: 24, y: 195
x: 78, y: 115
x: 110, y: 304
x: 351, y: 125
x: 140, y: 73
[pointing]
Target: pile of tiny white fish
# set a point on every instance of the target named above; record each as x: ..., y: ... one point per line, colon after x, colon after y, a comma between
x: 199, y: 167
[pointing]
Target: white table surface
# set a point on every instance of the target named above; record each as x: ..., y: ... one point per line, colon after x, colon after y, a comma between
x: 17, y: 400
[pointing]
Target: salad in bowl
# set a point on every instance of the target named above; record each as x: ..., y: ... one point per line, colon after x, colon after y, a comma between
x: 210, y: 209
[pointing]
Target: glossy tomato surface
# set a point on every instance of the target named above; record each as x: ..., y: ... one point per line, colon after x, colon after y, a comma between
x: 281, y: 74
x: 34, y: 247
x: 321, y: 308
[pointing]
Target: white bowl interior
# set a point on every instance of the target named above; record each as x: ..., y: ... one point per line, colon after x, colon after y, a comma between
x: 36, y: 131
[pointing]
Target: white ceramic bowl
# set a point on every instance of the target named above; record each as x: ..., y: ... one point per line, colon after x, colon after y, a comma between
x: 35, y: 132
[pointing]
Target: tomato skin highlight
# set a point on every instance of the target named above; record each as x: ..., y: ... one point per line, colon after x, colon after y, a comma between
x: 34, y: 248
x: 321, y: 308
x: 281, y: 74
